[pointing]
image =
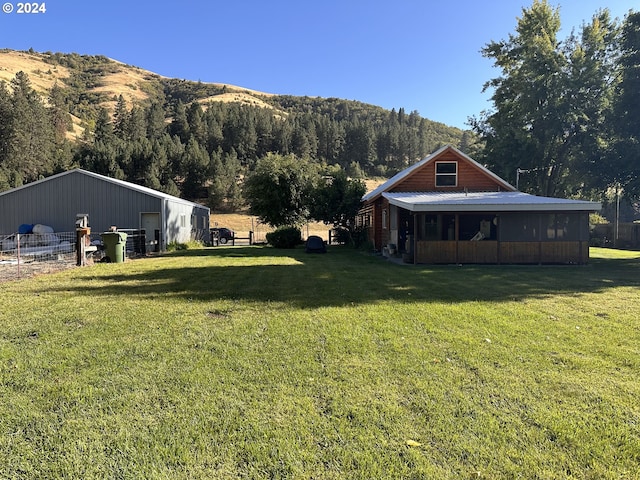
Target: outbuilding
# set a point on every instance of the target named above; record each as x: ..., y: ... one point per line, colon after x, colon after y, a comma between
x: 448, y: 208
x: 56, y: 200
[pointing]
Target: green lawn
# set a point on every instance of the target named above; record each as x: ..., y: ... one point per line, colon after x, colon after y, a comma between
x: 251, y: 362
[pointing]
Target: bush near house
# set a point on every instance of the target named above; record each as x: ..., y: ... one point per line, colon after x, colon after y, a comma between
x: 285, y: 237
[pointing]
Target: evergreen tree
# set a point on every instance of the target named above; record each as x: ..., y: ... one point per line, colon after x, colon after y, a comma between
x: 155, y: 120
x: 136, y: 124
x: 197, y: 127
x: 31, y: 139
x: 180, y: 125
x: 213, y: 121
x: 331, y: 137
x: 6, y: 123
x: 104, y: 127
x: 225, y: 192
x: 195, y: 169
x: 157, y: 163
x: 120, y: 118
x: 60, y: 119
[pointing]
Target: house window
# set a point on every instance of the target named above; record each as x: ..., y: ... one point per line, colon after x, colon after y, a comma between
x: 446, y: 174
x: 384, y: 219
x: 183, y: 220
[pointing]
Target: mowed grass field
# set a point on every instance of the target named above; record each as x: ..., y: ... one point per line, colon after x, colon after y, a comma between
x: 251, y: 362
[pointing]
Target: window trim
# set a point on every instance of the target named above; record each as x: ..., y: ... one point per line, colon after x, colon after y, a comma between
x: 446, y: 175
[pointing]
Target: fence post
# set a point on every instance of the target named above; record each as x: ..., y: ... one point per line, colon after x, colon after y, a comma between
x: 143, y: 242
x: 80, y: 261
x: 18, y: 251
x: 250, y: 237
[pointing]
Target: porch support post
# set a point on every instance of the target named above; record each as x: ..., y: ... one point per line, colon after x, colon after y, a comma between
x: 540, y: 238
x: 498, y: 225
x: 415, y: 237
x: 457, y: 235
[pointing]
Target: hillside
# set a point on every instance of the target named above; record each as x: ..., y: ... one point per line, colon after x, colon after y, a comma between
x: 103, y: 80
x: 188, y: 138
x: 96, y: 81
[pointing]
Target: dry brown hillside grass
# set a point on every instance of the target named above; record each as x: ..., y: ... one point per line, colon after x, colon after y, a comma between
x: 125, y: 80
x: 42, y: 75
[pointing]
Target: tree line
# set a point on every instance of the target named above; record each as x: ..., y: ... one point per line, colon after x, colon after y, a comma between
x: 203, y: 151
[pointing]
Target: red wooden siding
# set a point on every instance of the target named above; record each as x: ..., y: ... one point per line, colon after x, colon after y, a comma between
x: 470, y: 177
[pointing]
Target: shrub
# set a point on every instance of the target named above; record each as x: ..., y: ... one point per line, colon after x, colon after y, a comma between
x: 356, y: 237
x: 285, y: 237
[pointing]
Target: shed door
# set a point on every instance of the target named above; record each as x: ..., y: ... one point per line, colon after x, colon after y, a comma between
x: 150, y: 223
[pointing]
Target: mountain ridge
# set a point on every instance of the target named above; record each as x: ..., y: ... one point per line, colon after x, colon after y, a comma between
x: 104, y: 79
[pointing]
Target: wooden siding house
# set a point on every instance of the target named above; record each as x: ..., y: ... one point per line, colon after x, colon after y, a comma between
x: 448, y: 208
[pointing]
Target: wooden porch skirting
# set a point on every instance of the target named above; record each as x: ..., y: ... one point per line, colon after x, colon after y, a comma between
x: 488, y: 251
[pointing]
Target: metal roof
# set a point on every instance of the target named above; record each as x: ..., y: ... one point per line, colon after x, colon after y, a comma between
x: 485, y: 201
x: 115, y: 181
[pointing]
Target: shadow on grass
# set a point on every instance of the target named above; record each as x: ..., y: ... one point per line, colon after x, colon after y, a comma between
x: 344, y: 276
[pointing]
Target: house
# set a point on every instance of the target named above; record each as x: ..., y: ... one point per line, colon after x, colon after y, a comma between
x: 55, y: 201
x: 447, y: 208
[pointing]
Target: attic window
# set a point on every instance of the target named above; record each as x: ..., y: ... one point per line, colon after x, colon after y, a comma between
x: 446, y: 174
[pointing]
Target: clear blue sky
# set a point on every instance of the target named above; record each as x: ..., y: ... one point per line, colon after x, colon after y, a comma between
x: 416, y: 54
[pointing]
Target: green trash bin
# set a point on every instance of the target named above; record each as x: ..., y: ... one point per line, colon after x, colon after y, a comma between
x: 114, y: 246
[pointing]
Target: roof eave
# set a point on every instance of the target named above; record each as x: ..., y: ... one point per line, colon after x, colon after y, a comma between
x: 492, y: 207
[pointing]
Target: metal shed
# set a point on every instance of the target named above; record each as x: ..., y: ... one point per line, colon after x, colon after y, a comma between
x: 55, y: 201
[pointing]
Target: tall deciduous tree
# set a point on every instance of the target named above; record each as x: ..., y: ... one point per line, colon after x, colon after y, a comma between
x: 277, y: 190
x: 626, y: 166
x: 336, y: 199
x: 550, y: 100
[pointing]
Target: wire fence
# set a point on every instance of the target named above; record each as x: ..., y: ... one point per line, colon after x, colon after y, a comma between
x: 28, y: 254
x: 24, y: 255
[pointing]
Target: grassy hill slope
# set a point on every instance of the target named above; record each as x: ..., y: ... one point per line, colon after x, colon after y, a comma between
x: 98, y: 81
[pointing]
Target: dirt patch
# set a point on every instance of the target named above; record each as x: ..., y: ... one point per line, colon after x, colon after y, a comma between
x: 11, y: 271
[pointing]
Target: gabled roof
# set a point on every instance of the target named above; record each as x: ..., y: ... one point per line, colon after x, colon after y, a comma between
x: 400, y: 176
x: 131, y: 186
x: 485, y: 201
